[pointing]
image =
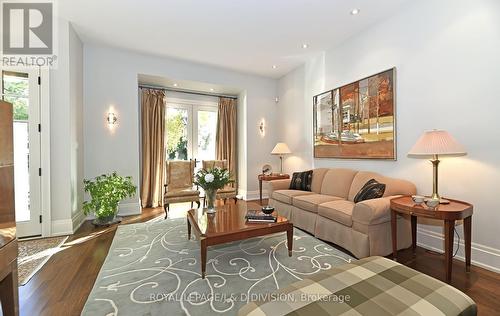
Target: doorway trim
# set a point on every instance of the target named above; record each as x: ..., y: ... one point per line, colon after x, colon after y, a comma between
x: 45, y: 151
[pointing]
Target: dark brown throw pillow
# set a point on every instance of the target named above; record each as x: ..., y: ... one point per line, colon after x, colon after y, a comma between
x: 301, y: 181
x: 371, y: 190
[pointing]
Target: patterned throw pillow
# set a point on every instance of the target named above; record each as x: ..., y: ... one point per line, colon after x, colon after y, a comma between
x: 371, y: 190
x: 301, y: 181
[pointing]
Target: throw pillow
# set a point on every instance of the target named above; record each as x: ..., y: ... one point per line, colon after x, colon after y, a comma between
x: 301, y: 181
x: 371, y: 190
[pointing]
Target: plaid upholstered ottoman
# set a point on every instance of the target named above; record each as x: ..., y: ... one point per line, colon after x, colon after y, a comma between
x: 370, y: 286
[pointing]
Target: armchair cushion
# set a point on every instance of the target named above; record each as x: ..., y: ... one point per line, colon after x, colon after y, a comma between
x: 181, y: 192
x: 371, y: 212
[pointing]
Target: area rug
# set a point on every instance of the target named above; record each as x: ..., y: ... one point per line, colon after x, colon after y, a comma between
x: 33, y: 254
x: 152, y: 269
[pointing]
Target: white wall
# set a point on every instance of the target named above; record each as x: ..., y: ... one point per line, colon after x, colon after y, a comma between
x: 76, y: 127
x: 447, y: 58
x: 110, y: 79
x: 66, y: 135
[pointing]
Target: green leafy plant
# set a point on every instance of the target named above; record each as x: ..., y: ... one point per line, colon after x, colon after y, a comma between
x: 214, y: 178
x: 106, y: 191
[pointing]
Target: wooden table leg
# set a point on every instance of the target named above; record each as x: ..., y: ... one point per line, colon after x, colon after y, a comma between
x: 468, y: 243
x: 203, y: 248
x: 189, y: 228
x: 289, y: 237
x: 9, y: 292
x: 260, y: 191
x: 394, y: 232
x: 449, y: 233
x: 414, y: 234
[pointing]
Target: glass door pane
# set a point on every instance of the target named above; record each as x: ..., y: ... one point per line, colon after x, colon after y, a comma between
x: 206, y: 134
x: 16, y: 91
x: 20, y: 88
x: 177, y: 133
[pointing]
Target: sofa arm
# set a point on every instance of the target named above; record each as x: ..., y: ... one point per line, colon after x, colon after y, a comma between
x: 275, y: 185
x: 375, y: 211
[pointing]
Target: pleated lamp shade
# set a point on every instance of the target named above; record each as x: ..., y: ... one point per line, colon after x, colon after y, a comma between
x: 281, y: 149
x: 437, y: 142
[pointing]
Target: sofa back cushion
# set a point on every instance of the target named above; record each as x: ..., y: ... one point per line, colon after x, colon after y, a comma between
x: 317, y: 179
x: 337, y: 182
x: 393, y: 186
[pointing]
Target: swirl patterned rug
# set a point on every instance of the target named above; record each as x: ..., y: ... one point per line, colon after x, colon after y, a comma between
x: 152, y: 269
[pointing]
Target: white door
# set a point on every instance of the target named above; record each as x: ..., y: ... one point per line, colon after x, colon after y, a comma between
x: 21, y: 88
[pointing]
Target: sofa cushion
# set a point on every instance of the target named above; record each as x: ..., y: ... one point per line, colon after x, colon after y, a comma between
x: 337, y: 182
x: 317, y: 180
x: 339, y: 211
x: 392, y: 186
x: 301, y: 181
x: 371, y: 190
x: 310, y: 202
x: 285, y: 196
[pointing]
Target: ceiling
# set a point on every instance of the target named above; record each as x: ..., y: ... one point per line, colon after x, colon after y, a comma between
x: 244, y: 35
x: 187, y: 85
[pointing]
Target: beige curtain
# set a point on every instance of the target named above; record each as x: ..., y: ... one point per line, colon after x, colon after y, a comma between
x: 226, y: 134
x: 153, y: 147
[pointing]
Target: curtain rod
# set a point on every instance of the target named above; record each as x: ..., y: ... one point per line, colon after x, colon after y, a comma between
x: 187, y: 91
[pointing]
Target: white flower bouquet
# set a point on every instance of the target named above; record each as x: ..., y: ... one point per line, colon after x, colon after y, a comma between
x: 212, y: 180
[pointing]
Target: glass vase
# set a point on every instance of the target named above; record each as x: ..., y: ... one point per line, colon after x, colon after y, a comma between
x: 210, y: 195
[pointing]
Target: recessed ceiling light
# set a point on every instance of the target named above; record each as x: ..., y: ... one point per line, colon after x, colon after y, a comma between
x: 305, y: 45
x: 274, y: 66
x: 212, y: 89
x: 354, y: 11
x: 175, y: 84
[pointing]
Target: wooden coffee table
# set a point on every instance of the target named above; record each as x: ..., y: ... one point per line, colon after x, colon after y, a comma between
x: 229, y: 224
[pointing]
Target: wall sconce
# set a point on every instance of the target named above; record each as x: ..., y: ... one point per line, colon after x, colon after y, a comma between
x: 111, y: 118
x: 262, y: 128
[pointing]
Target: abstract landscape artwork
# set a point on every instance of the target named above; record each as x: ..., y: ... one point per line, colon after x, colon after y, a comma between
x: 357, y: 120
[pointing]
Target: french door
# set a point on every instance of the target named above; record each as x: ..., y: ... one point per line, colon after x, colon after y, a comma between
x: 191, y: 131
x: 21, y: 88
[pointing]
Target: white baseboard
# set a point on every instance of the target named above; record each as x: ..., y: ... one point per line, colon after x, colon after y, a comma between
x: 78, y: 219
x: 254, y: 195
x: 481, y: 255
x: 127, y: 209
x: 61, y: 227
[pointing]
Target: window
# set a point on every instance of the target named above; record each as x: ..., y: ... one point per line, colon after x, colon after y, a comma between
x: 190, y: 131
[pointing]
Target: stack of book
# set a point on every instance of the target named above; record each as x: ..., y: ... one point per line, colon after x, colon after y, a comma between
x: 257, y: 216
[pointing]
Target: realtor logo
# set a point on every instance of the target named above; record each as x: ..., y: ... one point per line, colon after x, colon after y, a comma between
x: 27, y: 28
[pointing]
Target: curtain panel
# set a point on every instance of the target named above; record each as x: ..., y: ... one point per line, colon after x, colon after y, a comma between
x: 153, y: 147
x: 225, y: 142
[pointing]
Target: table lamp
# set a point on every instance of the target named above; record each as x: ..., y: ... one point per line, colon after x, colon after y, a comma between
x: 436, y: 143
x: 281, y: 149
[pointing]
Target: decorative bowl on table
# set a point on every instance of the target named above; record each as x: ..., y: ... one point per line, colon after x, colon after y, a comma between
x: 268, y: 209
x: 418, y: 199
x: 432, y: 203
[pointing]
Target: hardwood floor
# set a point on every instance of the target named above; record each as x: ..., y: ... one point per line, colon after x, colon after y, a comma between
x: 62, y: 286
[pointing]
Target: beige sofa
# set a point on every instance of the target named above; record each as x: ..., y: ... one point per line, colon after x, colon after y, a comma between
x: 329, y: 213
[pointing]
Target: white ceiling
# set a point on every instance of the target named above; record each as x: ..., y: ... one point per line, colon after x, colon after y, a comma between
x: 244, y: 35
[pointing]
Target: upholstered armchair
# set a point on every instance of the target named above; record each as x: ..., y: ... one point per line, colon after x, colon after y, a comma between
x: 179, y: 186
x: 228, y: 192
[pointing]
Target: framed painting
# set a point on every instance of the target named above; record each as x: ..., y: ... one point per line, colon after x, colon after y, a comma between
x: 357, y: 120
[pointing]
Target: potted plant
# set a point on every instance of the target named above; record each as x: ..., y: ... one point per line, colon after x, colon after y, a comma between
x: 106, y: 191
x: 212, y: 180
